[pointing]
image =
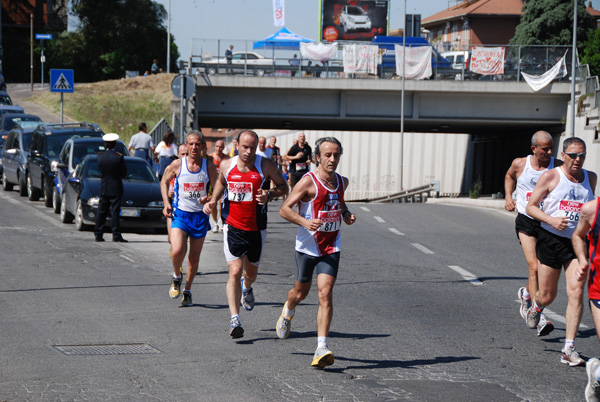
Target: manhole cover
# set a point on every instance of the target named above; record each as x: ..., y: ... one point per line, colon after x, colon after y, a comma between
x: 126, y: 349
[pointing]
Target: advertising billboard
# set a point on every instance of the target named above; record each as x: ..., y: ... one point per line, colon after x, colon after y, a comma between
x: 353, y: 20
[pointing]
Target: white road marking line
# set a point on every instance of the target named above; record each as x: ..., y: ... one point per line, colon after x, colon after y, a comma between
x: 466, y: 275
x: 126, y: 258
x: 379, y: 219
x: 394, y: 231
x: 365, y: 209
x: 557, y: 317
x: 422, y: 248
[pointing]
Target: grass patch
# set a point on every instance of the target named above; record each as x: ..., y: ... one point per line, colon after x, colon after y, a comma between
x: 117, y: 106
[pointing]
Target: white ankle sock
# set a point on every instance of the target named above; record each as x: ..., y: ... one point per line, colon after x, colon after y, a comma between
x: 322, y: 342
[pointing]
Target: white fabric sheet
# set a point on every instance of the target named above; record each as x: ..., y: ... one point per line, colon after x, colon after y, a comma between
x: 319, y: 51
x: 418, y: 62
x: 537, y: 82
x: 361, y: 59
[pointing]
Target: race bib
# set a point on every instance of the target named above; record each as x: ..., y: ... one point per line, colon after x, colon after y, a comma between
x: 528, y: 195
x: 300, y: 166
x: 570, y: 209
x: 331, y: 220
x: 193, y: 191
x: 240, y: 192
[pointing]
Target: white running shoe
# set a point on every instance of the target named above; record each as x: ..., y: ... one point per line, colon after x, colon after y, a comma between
x: 284, y: 324
x: 525, y: 303
x: 571, y: 357
x: 544, y: 327
x: 592, y: 389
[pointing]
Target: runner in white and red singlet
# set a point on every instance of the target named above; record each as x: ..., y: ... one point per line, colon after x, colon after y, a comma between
x: 564, y: 190
x: 320, y: 195
x: 244, y: 211
x: 193, y: 175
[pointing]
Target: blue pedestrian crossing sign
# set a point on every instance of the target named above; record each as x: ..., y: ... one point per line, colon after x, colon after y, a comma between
x: 62, y: 81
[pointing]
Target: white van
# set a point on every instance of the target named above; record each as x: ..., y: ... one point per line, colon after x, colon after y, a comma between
x: 457, y: 59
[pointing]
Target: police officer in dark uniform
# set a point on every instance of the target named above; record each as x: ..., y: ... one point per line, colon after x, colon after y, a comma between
x: 112, y: 169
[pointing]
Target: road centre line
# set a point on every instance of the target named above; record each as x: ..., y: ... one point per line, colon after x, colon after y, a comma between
x: 422, y: 248
x: 469, y: 277
x: 126, y: 258
x: 379, y: 219
x: 365, y: 209
x: 395, y: 231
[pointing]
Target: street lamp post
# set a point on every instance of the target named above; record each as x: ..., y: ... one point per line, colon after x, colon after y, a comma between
x: 169, y: 38
x: 573, y: 65
x: 402, y: 102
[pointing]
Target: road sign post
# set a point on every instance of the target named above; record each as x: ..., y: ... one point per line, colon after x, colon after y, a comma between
x: 62, y: 81
x: 182, y: 86
x: 42, y: 38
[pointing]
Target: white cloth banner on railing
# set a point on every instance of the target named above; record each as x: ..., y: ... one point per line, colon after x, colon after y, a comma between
x: 487, y: 60
x: 537, y: 82
x: 361, y: 59
x: 319, y: 51
x: 418, y: 62
x: 279, y: 13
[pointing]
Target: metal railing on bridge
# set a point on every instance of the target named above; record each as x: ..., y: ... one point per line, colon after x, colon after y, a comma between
x: 416, y: 194
x: 208, y: 57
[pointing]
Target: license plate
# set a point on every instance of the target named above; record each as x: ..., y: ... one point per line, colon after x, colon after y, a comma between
x: 130, y: 212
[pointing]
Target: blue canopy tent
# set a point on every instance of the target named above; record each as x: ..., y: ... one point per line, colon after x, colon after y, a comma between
x: 283, y: 39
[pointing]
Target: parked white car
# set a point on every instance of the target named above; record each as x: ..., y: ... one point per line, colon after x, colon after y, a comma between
x: 457, y: 59
x: 354, y: 18
x: 254, y: 61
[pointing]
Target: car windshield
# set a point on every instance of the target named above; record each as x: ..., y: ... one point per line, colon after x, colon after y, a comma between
x: 356, y: 11
x: 26, y: 139
x: 5, y: 100
x: 54, y: 144
x: 139, y: 172
x: 81, y: 150
x: 24, y: 122
x: 136, y: 171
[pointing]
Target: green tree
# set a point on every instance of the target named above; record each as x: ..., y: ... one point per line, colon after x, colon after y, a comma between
x: 550, y: 22
x: 114, y: 36
x: 591, y: 52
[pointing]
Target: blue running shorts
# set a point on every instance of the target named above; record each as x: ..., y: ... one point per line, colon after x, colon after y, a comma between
x: 195, y: 224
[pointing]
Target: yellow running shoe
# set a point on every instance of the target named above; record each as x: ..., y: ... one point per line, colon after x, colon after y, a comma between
x: 323, y: 358
x: 174, y: 291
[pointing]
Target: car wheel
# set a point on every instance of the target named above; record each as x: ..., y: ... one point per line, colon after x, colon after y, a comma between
x: 22, y: 186
x: 32, y: 193
x: 65, y: 216
x: 6, y: 186
x: 260, y: 73
x: 79, y: 225
x: 211, y: 71
x: 55, y: 201
x: 47, y: 192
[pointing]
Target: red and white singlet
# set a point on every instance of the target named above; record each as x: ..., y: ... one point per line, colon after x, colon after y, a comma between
x: 594, y: 237
x: 326, y: 206
x: 240, y: 207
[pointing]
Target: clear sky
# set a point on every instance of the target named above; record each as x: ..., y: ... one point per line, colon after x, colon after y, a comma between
x: 253, y: 19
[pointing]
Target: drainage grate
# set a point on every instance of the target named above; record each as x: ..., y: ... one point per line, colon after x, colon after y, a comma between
x: 126, y: 349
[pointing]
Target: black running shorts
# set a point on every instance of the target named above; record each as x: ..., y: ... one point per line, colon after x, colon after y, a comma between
x: 554, y: 251
x: 525, y: 224
x: 305, y: 266
x: 238, y: 243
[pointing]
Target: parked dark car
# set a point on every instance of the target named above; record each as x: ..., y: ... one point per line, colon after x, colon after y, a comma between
x: 45, y: 146
x: 11, y: 109
x: 8, y: 121
x: 141, y: 204
x: 72, y: 152
x: 14, y: 159
x: 2, y: 83
x: 4, y: 97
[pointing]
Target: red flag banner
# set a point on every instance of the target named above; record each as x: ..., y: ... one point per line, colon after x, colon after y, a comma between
x: 487, y: 60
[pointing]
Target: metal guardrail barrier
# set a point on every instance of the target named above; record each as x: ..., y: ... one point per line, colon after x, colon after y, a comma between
x: 158, y: 131
x: 412, y: 193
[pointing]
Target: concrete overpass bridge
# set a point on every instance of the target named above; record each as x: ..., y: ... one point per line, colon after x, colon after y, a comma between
x: 474, y: 107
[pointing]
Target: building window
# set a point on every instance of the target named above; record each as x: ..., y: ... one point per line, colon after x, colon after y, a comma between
x: 455, y: 36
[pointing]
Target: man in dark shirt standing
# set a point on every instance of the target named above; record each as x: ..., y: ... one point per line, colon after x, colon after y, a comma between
x: 300, y: 159
x: 112, y: 170
x: 229, y: 58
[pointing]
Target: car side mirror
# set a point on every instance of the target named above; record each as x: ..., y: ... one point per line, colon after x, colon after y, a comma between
x: 74, y: 180
x: 61, y: 165
x: 12, y: 151
x: 34, y: 153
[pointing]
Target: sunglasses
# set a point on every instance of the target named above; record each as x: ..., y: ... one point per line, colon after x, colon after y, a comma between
x: 574, y: 155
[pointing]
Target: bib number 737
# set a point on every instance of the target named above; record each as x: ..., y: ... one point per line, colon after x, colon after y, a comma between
x: 239, y: 192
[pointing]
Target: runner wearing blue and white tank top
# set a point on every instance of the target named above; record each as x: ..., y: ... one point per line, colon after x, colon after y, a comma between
x: 193, y: 176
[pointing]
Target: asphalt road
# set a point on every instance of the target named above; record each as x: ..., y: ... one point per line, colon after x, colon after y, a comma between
x: 93, y: 321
